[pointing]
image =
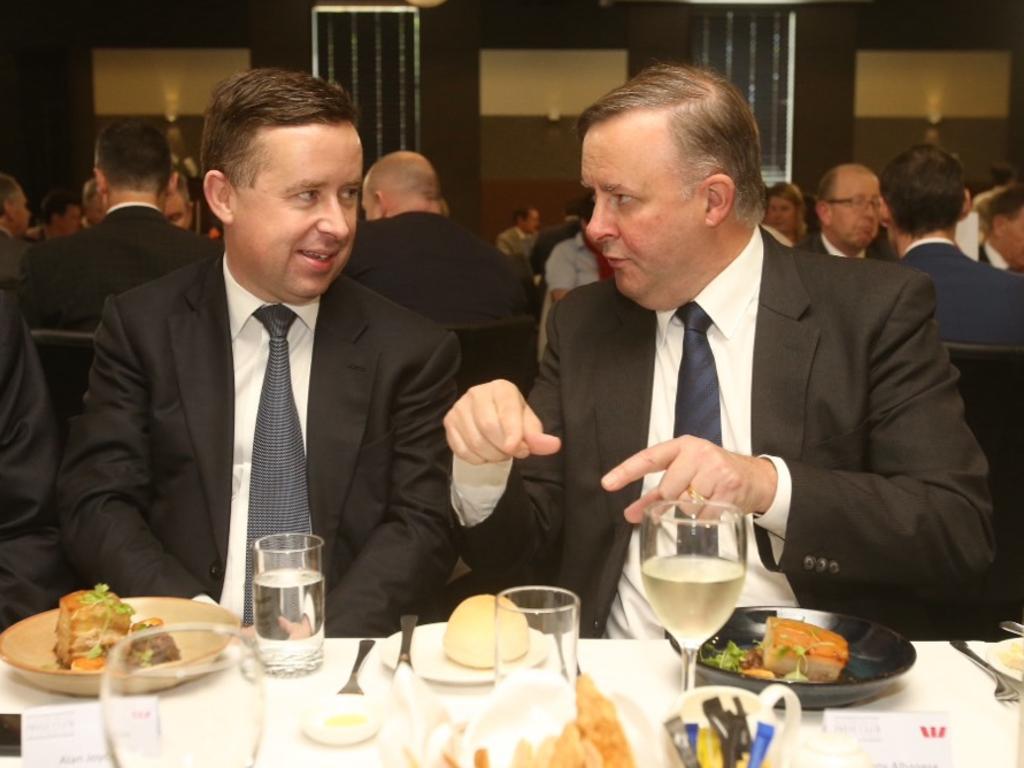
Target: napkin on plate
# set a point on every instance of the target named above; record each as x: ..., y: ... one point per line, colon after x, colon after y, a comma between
x: 417, y: 729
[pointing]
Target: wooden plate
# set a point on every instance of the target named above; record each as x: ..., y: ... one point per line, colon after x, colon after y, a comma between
x: 28, y: 645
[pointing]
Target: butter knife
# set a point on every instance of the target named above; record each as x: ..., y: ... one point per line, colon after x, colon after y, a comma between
x: 408, y: 622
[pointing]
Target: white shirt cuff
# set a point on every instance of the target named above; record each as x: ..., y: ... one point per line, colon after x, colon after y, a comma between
x: 204, y: 598
x: 477, y: 489
x: 776, y: 517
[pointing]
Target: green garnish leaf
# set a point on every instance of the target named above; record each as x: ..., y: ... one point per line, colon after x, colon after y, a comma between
x: 729, y: 658
x: 95, y: 652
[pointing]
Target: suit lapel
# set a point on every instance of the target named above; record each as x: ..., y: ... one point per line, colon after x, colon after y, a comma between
x: 340, y: 385
x: 784, y: 346
x: 201, y: 345
x: 623, y: 386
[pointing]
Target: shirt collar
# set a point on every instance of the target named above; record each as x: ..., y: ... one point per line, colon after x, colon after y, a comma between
x: 728, y: 295
x: 928, y: 241
x: 995, y: 258
x: 835, y: 251
x: 241, y: 305
x: 131, y: 204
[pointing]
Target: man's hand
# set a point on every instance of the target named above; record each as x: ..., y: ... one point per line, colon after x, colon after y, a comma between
x: 492, y: 423
x: 693, y: 464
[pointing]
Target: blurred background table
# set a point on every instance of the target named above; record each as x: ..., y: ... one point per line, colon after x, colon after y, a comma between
x: 983, y: 731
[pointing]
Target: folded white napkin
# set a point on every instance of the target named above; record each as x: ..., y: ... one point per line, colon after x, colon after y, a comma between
x: 417, y: 729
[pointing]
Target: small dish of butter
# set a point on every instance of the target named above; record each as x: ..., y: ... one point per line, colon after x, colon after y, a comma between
x: 343, y: 719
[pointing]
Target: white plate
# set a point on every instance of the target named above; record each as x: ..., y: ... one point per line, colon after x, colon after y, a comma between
x: 1005, y: 654
x: 430, y: 662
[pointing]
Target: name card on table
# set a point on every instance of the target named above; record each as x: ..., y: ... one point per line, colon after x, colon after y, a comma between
x: 64, y: 735
x: 897, y: 739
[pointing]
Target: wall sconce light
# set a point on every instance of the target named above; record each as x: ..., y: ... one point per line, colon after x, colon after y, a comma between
x: 425, y: 3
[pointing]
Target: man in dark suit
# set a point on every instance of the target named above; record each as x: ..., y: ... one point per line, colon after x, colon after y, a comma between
x: 410, y: 253
x: 847, y: 208
x: 33, y: 572
x: 923, y: 198
x: 1004, y: 243
x: 65, y: 281
x: 241, y: 389
x: 831, y: 415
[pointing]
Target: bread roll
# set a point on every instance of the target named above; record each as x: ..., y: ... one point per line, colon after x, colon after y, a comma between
x: 469, y: 636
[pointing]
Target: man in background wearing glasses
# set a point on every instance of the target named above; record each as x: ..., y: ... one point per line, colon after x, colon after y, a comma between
x: 847, y: 207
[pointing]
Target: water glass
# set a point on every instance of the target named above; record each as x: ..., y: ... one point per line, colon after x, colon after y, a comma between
x: 549, y: 620
x: 183, y: 696
x: 288, y: 602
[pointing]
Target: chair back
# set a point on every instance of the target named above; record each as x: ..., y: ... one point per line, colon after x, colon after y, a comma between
x: 504, y: 349
x: 992, y: 387
x: 66, y: 357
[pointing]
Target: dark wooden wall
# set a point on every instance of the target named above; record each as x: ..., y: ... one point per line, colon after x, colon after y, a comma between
x: 46, y: 80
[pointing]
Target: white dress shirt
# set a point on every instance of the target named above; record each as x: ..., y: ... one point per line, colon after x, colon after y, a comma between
x: 731, y: 300
x: 995, y: 258
x: 250, y: 350
x: 835, y: 251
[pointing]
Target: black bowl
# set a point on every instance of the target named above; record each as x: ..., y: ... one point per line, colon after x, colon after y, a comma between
x: 878, y: 656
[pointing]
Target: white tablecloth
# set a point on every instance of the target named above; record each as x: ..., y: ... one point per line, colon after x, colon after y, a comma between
x: 983, y: 732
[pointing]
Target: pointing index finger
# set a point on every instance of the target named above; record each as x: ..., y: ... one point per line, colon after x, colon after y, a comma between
x: 653, y: 459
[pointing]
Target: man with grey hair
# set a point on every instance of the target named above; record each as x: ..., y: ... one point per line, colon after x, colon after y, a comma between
x: 14, y: 220
x: 847, y: 207
x: 410, y: 253
x: 810, y: 392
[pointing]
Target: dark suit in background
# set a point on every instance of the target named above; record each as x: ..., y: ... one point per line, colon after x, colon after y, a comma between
x: 879, y: 248
x: 145, y: 488
x: 11, y: 251
x: 65, y: 281
x: 976, y: 303
x: 851, y: 388
x: 33, y: 573
x: 433, y: 266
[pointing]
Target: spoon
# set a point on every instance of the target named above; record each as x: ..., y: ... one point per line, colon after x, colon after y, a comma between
x: 408, y: 622
x: 352, y: 686
x: 1013, y: 627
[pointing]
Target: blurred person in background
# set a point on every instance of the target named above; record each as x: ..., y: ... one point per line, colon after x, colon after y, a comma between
x: 784, y: 213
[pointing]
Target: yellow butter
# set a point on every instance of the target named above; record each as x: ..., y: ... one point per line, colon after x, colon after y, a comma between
x: 346, y: 720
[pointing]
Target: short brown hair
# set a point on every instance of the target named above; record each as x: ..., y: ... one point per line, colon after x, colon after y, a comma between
x: 1006, y: 202
x: 264, y: 98
x: 712, y: 125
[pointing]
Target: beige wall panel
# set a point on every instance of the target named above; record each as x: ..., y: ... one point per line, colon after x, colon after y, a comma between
x: 933, y: 84
x: 547, y: 82
x: 160, y: 81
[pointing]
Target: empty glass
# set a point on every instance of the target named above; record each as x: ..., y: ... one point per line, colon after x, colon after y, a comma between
x: 185, y: 696
x: 536, y: 626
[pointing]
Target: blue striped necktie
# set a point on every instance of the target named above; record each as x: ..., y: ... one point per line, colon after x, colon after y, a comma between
x: 278, y: 496
x: 697, y: 407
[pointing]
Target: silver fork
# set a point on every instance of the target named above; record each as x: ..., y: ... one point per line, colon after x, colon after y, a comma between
x: 352, y: 686
x: 1007, y: 689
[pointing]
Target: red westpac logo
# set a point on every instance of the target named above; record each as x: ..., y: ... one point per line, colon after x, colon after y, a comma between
x: 933, y: 731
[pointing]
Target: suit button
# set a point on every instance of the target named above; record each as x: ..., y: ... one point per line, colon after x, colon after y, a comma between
x: 216, y: 570
x: 833, y: 567
x: 809, y: 563
x: 821, y: 565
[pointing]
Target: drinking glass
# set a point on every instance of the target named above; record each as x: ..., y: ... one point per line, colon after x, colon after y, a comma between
x: 548, y: 618
x: 183, y: 696
x: 288, y: 602
x: 693, y: 556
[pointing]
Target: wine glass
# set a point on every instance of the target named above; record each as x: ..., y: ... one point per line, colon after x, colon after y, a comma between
x: 693, y: 558
x: 183, y: 696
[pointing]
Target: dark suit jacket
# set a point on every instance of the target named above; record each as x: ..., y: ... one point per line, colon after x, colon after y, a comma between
x: 65, y: 281
x: 878, y: 248
x: 33, y: 573
x: 851, y: 387
x: 11, y: 251
x: 145, y: 487
x: 976, y: 303
x: 433, y: 266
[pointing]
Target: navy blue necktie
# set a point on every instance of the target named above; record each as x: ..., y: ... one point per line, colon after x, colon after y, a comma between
x: 278, y: 496
x: 697, y: 408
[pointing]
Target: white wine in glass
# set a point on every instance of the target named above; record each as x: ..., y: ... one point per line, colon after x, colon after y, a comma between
x: 693, y: 556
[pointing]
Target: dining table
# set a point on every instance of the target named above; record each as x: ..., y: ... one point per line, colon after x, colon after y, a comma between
x: 982, y: 731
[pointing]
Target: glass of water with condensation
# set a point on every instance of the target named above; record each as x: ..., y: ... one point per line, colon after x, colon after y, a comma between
x: 288, y: 602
